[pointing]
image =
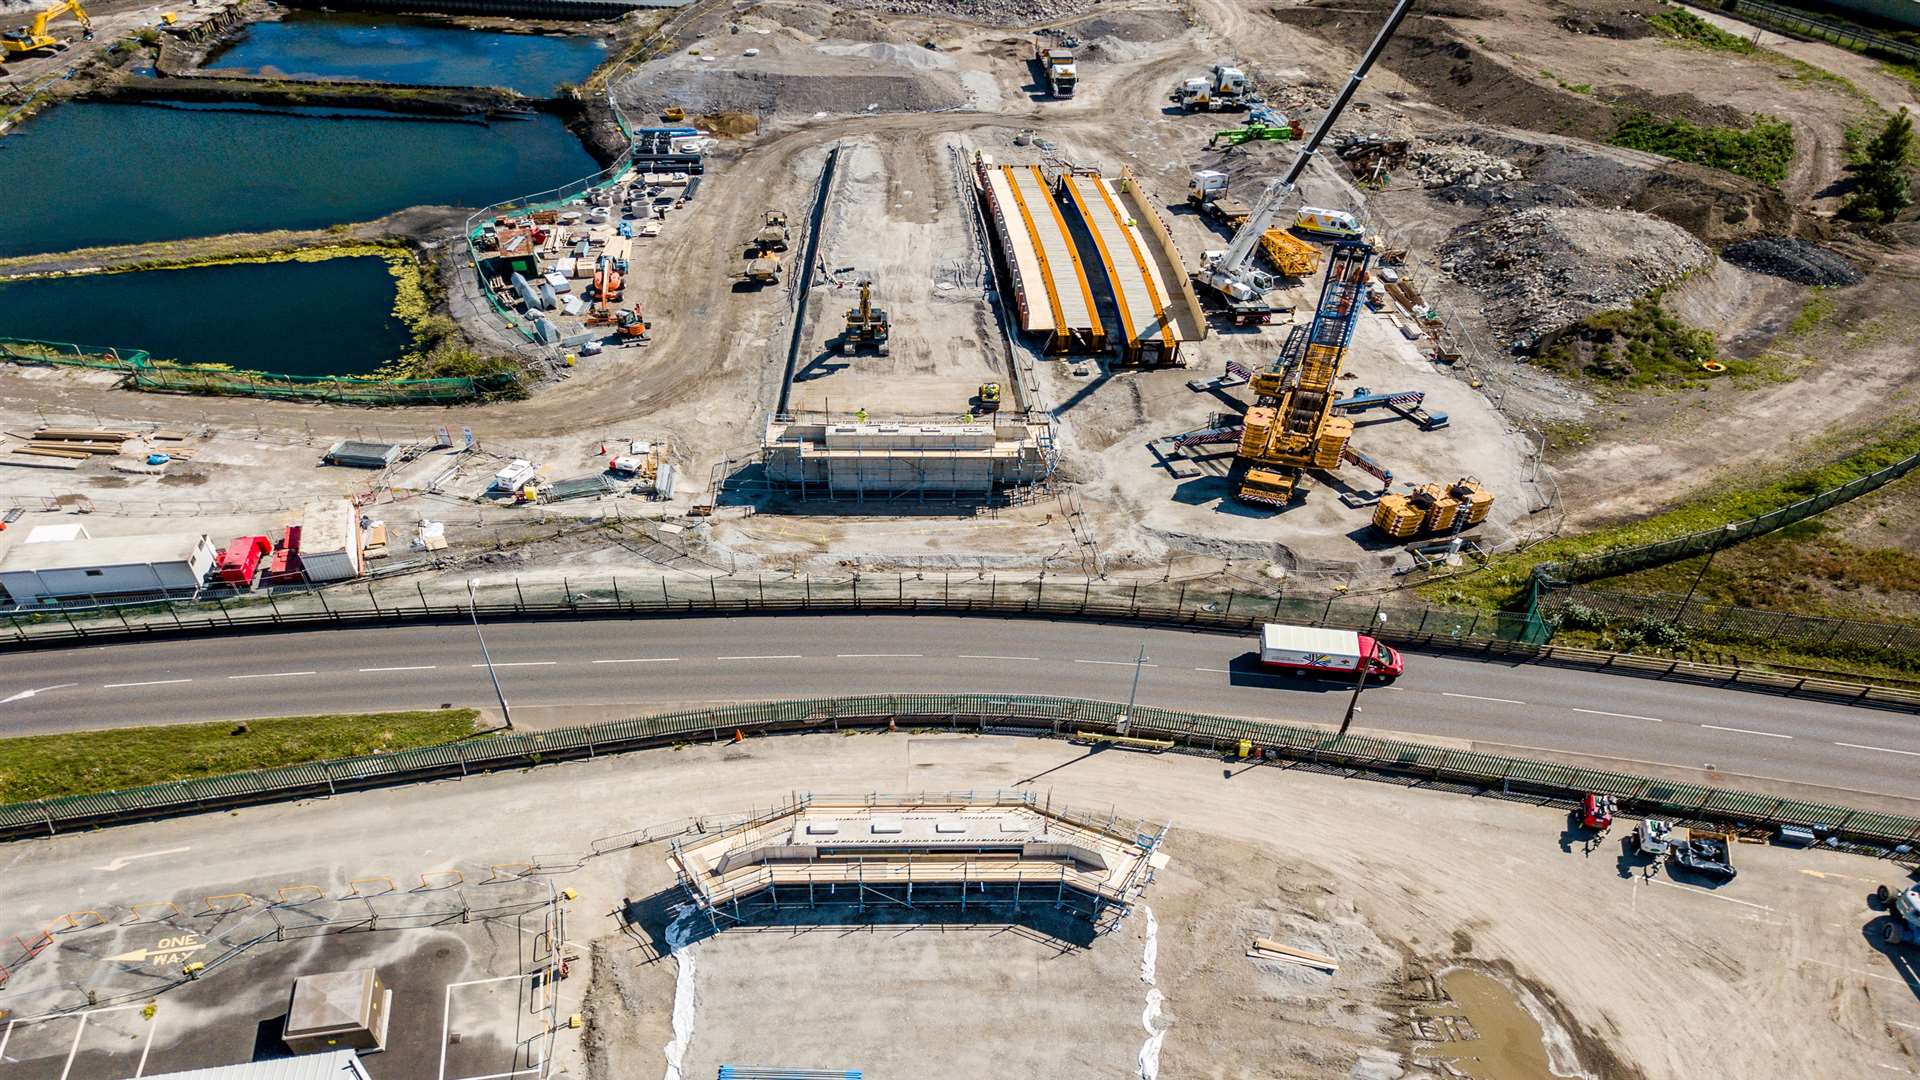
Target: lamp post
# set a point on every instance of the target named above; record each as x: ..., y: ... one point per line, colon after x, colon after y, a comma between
x: 1353, y: 703
x: 1126, y: 718
x: 473, y: 610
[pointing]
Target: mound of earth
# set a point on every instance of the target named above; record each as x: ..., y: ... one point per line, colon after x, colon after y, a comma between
x: 983, y: 12
x: 1544, y: 269
x: 1793, y: 259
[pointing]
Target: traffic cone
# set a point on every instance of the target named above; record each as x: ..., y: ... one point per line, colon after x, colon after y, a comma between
x: 890, y: 726
x: 737, y: 736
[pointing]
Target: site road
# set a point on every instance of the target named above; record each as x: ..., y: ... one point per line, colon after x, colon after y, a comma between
x: 654, y: 664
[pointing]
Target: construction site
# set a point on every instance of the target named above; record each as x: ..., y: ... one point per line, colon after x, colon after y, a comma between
x: 1297, y: 304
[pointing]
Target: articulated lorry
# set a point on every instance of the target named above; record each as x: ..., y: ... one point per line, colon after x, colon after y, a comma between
x: 1318, y: 650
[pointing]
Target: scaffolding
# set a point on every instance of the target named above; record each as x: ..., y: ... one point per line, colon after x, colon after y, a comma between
x: 907, y: 852
x: 906, y: 460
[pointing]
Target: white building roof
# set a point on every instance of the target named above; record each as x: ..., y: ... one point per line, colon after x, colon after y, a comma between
x: 102, y: 551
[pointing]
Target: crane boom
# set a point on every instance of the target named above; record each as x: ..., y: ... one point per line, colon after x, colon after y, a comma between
x: 1235, y: 268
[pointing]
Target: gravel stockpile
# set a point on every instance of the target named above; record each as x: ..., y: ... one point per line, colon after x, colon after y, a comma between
x: 1795, y: 260
x: 1544, y: 269
x: 985, y: 12
x: 1438, y: 165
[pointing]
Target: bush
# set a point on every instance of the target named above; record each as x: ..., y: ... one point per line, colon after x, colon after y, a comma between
x: 1686, y: 26
x: 1640, y: 345
x: 1759, y: 151
x: 1881, y: 184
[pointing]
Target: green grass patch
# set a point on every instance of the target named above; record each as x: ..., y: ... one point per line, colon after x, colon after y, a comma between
x: 1682, y: 25
x: 1640, y: 346
x: 1818, y: 308
x: 1501, y: 584
x: 1760, y: 151
x: 48, y: 766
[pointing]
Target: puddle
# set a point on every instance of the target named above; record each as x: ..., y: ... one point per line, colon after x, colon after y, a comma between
x: 1486, y: 1033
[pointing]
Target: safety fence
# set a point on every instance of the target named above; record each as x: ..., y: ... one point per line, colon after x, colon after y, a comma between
x: 164, y: 376
x: 1659, y: 553
x: 1220, y: 604
x: 1802, y: 24
x: 1859, y: 638
x: 997, y: 714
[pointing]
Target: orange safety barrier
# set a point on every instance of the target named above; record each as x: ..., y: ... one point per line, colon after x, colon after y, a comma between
x: 137, y: 909
x: 75, y: 920
x: 246, y: 901
x: 456, y: 875
x: 314, y: 892
x: 494, y: 874
x: 356, y: 890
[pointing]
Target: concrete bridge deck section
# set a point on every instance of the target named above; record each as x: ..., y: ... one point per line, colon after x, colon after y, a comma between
x: 1140, y: 291
x: 1049, y: 281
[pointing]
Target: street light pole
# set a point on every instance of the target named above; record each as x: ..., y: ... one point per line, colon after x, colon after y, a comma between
x: 473, y: 609
x: 1126, y: 718
x: 1353, y: 703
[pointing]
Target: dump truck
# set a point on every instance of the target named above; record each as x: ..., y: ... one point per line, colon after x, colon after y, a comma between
x: 1223, y: 89
x: 773, y: 234
x: 762, y: 270
x: 1057, y: 68
x: 1317, y: 650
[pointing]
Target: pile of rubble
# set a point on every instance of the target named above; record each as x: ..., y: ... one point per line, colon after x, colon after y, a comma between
x: 1438, y: 165
x: 984, y: 12
x: 1793, y: 259
x: 1544, y: 269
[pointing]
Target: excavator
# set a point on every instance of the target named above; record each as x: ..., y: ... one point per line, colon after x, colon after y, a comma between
x: 607, y: 283
x: 33, y: 37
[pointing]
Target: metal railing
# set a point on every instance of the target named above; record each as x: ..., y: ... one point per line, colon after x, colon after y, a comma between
x: 1000, y: 714
x: 1803, y: 24
x: 1859, y: 638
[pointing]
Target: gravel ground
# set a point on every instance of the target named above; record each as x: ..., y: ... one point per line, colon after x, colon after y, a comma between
x: 1793, y: 259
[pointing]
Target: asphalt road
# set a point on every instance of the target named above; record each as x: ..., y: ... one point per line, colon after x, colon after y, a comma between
x: 657, y: 663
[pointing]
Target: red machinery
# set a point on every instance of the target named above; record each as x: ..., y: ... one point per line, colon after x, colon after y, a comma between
x: 1596, y: 812
x: 241, y: 559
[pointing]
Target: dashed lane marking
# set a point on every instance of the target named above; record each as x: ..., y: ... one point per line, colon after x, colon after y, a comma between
x: 974, y: 656
x: 782, y: 656
x: 877, y: 656
x: 409, y: 667
x: 1747, y: 731
x: 1881, y: 749
x: 1114, y: 663
x: 274, y: 675
x: 149, y: 682
x: 641, y: 660
x: 1477, y: 697
x: 520, y: 663
x: 1621, y: 715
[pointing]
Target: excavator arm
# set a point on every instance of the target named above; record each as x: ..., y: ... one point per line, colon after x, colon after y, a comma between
x: 34, y: 36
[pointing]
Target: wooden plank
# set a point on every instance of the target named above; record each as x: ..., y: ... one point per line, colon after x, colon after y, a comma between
x: 42, y: 451
x: 38, y: 463
x: 1288, y: 952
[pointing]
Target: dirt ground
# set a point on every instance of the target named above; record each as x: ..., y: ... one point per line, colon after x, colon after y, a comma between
x: 1630, y: 976
x: 1461, y: 74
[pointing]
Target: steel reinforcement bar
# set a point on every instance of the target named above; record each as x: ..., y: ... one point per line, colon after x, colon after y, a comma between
x: 996, y: 714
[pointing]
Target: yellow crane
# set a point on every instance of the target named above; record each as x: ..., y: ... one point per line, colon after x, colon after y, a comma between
x: 34, y: 37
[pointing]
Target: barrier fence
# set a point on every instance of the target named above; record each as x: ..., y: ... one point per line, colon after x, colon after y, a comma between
x: 999, y: 714
x: 162, y: 376
x: 1720, y: 622
x: 1803, y: 24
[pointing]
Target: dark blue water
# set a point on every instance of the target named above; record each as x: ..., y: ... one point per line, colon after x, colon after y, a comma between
x: 318, y: 318
x: 85, y: 173
x: 392, y: 48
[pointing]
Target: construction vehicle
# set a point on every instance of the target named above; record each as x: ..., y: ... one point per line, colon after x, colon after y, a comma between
x: 1256, y: 131
x: 762, y: 270
x: 631, y: 325
x: 1433, y: 508
x: 608, y: 285
x: 773, y: 235
x: 1057, y: 68
x: 867, y: 326
x: 1291, y: 426
x: 989, y: 397
x: 1653, y: 837
x: 1291, y: 256
x: 1224, y: 89
x: 1594, y: 812
x: 1334, y: 223
x: 33, y: 37
x: 1903, y: 911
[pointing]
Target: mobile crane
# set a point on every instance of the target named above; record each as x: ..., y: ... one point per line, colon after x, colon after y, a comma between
x: 33, y: 37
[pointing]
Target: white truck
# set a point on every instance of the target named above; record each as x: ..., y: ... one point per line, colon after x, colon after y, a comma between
x: 1224, y: 89
x: 1057, y: 67
x: 1317, y: 649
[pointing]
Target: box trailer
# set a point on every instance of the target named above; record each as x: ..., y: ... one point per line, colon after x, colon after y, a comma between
x: 1316, y: 649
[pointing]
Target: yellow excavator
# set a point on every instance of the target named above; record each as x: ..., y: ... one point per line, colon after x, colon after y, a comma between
x: 33, y: 37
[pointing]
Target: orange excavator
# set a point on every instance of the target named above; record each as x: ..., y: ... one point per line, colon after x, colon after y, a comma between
x: 607, y: 282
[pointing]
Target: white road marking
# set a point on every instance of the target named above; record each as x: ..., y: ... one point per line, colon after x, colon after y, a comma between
x: 274, y: 675
x: 1697, y: 891
x: 1747, y: 731
x: 121, y: 862
x: 25, y: 694
x: 1882, y: 749
x: 877, y: 655
x: 520, y: 663
x: 150, y: 682
x: 641, y: 660
x: 975, y: 656
x: 1621, y: 715
x: 783, y: 656
x: 413, y: 667
x: 1477, y: 697
x: 1850, y: 971
x: 1115, y: 663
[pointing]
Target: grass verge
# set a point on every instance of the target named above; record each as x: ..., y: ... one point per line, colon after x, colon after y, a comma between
x: 49, y: 766
x: 1685, y: 26
x: 1639, y: 346
x: 1760, y: 151
x: 1501, y: 584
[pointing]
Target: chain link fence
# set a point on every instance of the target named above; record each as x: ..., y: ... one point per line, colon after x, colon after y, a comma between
x: 1804, y: 25
x: 997, y: 714
x: 1729, y: 623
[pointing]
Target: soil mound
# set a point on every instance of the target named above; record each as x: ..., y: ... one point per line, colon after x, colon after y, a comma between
x: 1793, y: 259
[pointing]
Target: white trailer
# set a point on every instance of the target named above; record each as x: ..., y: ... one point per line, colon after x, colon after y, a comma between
x: 1320, y: 649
